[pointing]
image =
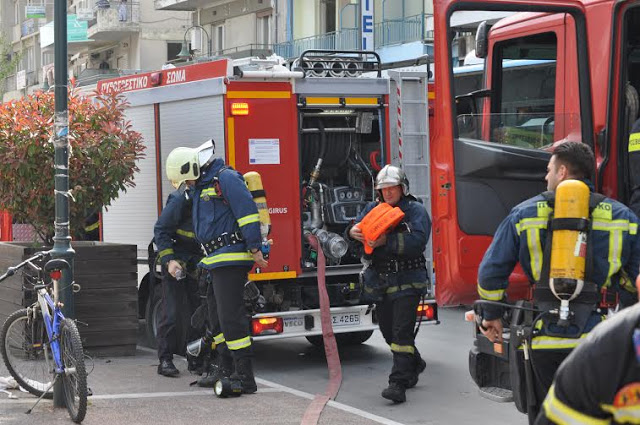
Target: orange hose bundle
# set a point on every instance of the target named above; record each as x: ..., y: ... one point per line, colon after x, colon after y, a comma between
x: 379, y: 220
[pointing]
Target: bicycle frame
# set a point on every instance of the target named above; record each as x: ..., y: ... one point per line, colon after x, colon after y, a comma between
x: 52, y: 317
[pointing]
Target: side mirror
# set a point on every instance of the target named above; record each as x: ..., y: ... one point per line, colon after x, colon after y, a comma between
x: 482, y: 40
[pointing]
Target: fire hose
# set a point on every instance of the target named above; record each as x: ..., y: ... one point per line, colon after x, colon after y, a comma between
x: 314, y: 410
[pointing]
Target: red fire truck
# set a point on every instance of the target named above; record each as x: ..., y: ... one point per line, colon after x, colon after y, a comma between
x: 490, y: 147
x: 286, y: 125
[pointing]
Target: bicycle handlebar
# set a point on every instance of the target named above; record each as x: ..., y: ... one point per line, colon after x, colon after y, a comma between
x: 12, y: 270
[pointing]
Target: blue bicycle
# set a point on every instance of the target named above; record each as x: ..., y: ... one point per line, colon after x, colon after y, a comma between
x: 39, y: 345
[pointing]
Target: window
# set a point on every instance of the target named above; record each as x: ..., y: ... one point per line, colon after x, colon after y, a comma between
x: 521, y: 97
x: 263, y: 30
x: 218, y: 39
x: 30, y: 59
x: 173, y: 48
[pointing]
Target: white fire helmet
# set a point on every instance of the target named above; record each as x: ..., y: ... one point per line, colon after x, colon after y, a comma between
x: 389, y: 176
x: 182, y: 165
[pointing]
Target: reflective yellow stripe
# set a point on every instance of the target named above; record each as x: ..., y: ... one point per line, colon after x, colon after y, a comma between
x: 93, y: 226
x: 634, y: 142
x: 555, y: 343
x: 165, y: 252
x: 531, y: 223
x: 230, y: 256
x: 609, y: 225
x: 218, y: 339
x: 495, y: 295
x: 247, y: 219
x: 403, y: 348
x: 186, y: 234
x: 561, y: 414
x: 623, y: 414
x: 535, y: 252
x: 238, y: 344
x: 210, y: 191
x: 258, y: 95
x: 616, y: 237
x: 272, y: 275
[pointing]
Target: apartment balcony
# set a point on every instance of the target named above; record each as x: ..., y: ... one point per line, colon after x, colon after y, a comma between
x: 189, y: 5
x: 404, y: 30
x: 115, y: 22
x: 346, y: 39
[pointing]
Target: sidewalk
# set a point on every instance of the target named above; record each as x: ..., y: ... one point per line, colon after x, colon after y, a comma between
x: 127, y: 390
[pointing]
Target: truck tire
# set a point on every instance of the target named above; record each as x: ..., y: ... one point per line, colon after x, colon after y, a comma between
x: 346, y: 339
x: 152, y: 316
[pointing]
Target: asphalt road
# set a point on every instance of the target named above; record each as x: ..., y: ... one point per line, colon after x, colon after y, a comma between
x: 445, y: 394
x: 129, y: 392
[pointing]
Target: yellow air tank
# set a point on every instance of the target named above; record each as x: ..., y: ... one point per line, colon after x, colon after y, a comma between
x: 568, y: 247
x: 254, y: 183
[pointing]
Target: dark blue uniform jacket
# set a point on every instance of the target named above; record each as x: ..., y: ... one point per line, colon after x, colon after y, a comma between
x: 233, y: 211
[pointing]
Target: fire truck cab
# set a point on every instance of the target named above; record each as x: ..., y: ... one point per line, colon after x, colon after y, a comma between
x: 491, y: 146
x: 317, y: 132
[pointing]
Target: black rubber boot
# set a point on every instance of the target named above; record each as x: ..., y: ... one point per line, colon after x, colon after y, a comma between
x: 395, y: 392
x: 421, y: 365
x: 222, y: 367
x: 244, y: 373
x: 167, y: 368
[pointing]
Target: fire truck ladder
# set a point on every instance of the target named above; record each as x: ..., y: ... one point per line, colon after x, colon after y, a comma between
x: 408, y: 113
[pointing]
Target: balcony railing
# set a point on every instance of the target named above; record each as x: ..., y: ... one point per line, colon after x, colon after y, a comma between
x: 388, y: 32
x: 338, y: 40
x: 115, y: 16
x: 247, y: 50
x: 403, y: 30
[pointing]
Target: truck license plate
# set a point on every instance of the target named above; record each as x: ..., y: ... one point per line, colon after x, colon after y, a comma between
x: 293, y: 322
x: 345, y: 319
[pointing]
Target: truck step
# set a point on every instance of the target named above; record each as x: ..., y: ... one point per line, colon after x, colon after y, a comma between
x: 498, y: 394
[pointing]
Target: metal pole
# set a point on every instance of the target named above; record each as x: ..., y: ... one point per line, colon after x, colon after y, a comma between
x: 62, y: 239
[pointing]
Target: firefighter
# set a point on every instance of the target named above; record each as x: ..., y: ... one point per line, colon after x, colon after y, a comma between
x: 398, y: 275
x: 634, y: 167
x: 610, y: 392
x: 179, y: 254
x: 613, y: 251
x: 227, y: 224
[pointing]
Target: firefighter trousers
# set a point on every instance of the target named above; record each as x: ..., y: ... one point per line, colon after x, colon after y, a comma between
x: 178, y: 298
x: 397, y: 321
x: 544, y: 364
x: 227, y: 296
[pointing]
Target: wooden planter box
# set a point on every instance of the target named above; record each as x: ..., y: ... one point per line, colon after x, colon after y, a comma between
x: 108, y: 299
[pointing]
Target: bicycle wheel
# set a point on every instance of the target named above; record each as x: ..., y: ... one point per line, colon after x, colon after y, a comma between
x: 24, y: 345
x: 75, y: 373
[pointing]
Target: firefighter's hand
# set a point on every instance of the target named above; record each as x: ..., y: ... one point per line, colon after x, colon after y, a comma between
x: 173, y: 267
x: 378, y: 242
x: 356, y: 233
x: 259, y: 259
x: 492, y: 329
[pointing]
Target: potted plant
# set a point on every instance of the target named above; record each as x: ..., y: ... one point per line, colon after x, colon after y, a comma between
x: 102, y: 162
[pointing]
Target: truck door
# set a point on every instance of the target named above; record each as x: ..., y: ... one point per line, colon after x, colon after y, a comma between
x: 620, y: 166
x: 490, y: 147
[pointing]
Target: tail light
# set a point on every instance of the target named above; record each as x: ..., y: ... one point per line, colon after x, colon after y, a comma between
x: 55, y: 274
x: 428, y: 311
x: 267, y: 326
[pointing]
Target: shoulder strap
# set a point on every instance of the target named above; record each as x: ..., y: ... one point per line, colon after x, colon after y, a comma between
x: 216, y: 181
x: 550, y: 197
x: 594, y: 199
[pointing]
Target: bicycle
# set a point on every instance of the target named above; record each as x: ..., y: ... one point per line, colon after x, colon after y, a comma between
x: 38, y: 342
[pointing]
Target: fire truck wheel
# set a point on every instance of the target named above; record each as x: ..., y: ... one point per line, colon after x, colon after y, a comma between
x: 152, y: 319
x: 350, y: 338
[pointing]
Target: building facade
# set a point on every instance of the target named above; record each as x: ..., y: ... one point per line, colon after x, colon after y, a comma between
x: 106, y: 38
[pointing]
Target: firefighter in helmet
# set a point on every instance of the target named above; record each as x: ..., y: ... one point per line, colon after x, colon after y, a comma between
x: 612, y: 258
x: 179, y: 253
x: 608, y: 394
x: 226, y: 223
x: 396, y: 278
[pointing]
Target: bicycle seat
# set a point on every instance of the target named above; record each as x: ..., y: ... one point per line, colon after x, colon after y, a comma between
x: 56, y: 264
